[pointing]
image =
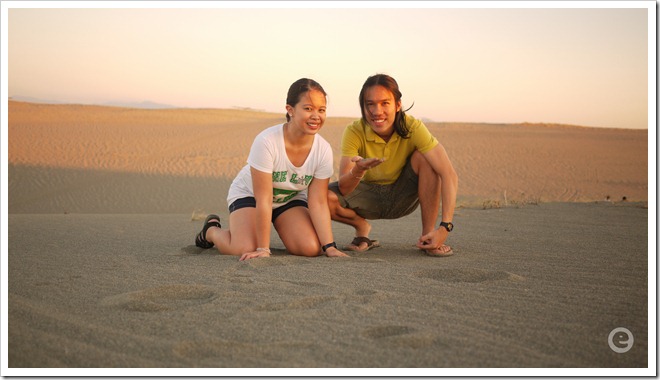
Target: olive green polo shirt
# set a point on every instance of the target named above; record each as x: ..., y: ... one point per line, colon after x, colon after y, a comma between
x: 360, y: 140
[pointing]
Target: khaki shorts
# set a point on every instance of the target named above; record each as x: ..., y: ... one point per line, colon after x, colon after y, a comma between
x: 372, y: 201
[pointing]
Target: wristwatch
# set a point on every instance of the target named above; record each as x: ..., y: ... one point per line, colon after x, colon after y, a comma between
x: 447, y: 225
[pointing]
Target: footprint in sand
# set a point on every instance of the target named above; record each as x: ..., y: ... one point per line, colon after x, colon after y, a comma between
x: 232, y: 351
x: 280, y: 257
x: 194, y: 250
x: 387, y: 331
x: 402, y: 336
x: 162, y: 298
x: 468, y: 275
x: 303, y: 303
x: 364, y: 297
x: 307, y: 284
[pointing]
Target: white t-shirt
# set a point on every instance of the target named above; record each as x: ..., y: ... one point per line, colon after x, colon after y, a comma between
x: 268, y: 154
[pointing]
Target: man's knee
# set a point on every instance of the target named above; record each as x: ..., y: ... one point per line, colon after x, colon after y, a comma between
x: 336, y: 205
x: 422, y: 167
x: 332, y: 197
x: 418, y: 162
x: 333, y: 202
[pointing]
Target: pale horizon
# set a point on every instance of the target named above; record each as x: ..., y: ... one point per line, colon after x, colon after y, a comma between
x: 587, y: 66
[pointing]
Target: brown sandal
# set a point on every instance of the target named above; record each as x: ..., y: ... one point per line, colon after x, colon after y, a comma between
x: 443, y: 251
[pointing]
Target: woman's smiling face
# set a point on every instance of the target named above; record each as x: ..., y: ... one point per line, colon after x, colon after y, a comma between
x: 309, y: 113
x: 380, y: 109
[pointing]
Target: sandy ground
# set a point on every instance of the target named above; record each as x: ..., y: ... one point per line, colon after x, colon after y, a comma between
x: 539, y: 286
x: 102, y: 271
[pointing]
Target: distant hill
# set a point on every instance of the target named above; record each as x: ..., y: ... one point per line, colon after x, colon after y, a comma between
x: 143, y: 105
x: 29, y: 99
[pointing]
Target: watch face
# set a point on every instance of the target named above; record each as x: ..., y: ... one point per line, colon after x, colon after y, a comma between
x: 449, y: 226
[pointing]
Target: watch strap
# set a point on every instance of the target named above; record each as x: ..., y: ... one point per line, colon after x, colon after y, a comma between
x: 449, y: 226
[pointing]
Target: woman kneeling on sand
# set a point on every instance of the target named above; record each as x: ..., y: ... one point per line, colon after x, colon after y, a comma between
x: 285, y: 182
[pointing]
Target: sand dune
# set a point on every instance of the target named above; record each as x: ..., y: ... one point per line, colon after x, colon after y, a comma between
x: 183, y: 159
x: 548, y: 163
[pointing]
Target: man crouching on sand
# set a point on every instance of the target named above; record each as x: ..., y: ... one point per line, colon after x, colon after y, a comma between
x: 390, y: 164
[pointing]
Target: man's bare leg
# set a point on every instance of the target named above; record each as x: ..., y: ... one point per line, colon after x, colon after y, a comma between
x: 429, y: 190
x: 350, y: 217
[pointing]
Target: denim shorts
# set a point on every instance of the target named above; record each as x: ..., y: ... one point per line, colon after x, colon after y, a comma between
x: 252, y: 202
x: 373, y: 201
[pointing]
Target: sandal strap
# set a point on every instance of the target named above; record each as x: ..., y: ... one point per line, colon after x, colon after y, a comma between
x: 211, y: 221
x: 361, y: 239
x: 208, y: 225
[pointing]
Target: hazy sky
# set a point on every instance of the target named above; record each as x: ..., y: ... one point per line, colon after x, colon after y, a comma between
x: 564, y: 65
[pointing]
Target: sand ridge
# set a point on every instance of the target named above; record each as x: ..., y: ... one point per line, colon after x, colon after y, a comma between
x: 178, y: 160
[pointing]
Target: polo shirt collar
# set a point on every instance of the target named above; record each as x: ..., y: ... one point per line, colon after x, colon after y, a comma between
x: 370, y: 135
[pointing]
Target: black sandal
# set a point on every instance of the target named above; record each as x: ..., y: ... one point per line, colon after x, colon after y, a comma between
x: 359, y: 240
x: 200, y: 240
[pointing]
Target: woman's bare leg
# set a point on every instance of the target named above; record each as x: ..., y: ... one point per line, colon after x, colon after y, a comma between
x: 241, y: 237
x: 297, y: 232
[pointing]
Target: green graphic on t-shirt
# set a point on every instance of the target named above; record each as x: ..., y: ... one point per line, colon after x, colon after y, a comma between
x: 283, y: 196
x: 279, y: 176
x: 303, y: 180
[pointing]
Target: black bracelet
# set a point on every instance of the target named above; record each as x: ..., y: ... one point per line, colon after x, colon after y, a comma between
x: 333, y: 244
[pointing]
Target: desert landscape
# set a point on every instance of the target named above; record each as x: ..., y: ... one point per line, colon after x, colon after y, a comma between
x: 551, y: 241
